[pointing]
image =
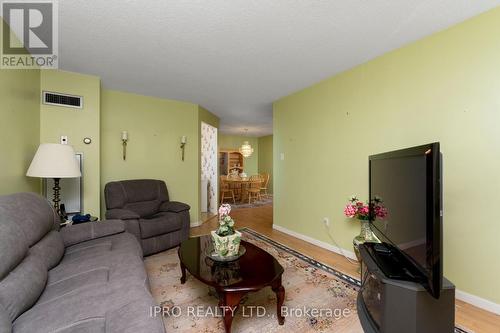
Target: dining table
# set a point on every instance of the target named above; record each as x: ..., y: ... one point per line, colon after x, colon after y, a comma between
x: 240, y: 185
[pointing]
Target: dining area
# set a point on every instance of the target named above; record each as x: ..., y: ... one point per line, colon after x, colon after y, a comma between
x: 245, y: 180
x: 241, y: 189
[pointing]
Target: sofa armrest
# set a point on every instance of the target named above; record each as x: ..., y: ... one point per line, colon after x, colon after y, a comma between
x: 174, y: 206
x: 79, y: 233
x: 121, y: 214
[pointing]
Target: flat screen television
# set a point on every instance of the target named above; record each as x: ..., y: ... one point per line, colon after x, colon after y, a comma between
x: 408, y: 181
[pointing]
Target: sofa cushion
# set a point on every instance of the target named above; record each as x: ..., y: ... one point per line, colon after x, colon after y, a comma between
x: 160, y: 224
x: 5, y: 323
x: 96, y: 272
x: 106, y: 260
x: 119, y: 193
x: 88, y: 231
x: 13, y: 245
x: 174, y: 206
x: 105, y: 308
x: 23, y: 286
x: 144, y: 208
x: 23, y: 272
x: 121, y: 214
x: 31, y: 212
x: 49, y: 249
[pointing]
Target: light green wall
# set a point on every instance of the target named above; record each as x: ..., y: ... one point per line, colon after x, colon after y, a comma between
x: 265, y: 162
x: 19, y: 128
x: 234, y: 142
x: 443, y: 88
x: 77, y: 124
x: 155, y: 128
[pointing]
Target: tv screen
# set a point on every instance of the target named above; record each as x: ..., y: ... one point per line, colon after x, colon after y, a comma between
x: 408, y: 183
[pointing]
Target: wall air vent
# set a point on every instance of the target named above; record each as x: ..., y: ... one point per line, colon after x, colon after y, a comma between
x: 69, y: 101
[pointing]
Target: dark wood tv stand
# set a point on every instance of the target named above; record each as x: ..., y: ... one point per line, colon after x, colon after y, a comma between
x: 393, y: 306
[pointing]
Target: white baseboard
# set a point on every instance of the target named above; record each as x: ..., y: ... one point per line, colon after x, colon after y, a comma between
x: 461, y: 295
x: 478, y: 301
x: 316, y: 242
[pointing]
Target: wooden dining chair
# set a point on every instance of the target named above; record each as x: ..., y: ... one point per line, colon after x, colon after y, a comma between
x: 254, y: 188
x: 237, y: 189
x: 225, y: 189
x: 265, y: 183
x: 254, y: 178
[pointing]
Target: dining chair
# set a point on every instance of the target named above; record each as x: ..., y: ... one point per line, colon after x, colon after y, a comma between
x: 225, y: 189
x: 237, y: 188
x: 254, y: 178
x: 254, y: 188
x: 265, y: 183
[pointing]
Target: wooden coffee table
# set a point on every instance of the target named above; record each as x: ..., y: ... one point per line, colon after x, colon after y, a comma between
x: 255, y: 270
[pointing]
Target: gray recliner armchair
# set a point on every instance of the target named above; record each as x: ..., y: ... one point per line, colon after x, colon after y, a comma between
x: 149, y: 215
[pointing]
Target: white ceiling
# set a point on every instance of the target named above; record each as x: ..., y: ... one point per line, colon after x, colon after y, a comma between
x: 235, y: 57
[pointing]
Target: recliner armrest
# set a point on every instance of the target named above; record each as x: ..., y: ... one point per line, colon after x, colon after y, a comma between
x: 121, y: 214
x: 79, y: 233
x: 174, y: 206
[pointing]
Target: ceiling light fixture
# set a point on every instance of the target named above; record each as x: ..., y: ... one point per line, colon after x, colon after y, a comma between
x: 246, y: 149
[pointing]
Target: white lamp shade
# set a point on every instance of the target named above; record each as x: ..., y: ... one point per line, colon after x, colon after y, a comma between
x: 53, y: 160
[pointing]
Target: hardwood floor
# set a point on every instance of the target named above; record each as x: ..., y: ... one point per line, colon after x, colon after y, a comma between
x: 206, y: 216
x: 260, y: 219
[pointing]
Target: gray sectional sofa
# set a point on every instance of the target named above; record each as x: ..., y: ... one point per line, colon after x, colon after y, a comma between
x: 82, y: 278
x: 145, y: 208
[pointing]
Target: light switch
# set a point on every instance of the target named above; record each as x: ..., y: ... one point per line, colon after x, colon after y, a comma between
x: 282, y: 156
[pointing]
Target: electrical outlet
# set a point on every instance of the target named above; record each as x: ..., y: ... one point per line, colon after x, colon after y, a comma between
x: 64, y: 140
x: 326, y: 221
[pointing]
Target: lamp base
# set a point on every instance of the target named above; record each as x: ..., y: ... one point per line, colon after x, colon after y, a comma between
x: 56, y: 199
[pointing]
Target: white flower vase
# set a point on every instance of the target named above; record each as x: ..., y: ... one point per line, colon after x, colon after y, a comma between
x: 227, y: 246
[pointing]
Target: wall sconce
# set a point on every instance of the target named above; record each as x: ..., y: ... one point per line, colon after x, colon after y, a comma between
x: 124, y: 144
x: 183, y: 144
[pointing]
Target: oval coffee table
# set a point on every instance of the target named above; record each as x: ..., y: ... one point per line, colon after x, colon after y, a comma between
x: 255, y: 270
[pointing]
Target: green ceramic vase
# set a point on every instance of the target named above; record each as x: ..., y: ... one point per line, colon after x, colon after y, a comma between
x: 366, y: 235
x: 227, y: 246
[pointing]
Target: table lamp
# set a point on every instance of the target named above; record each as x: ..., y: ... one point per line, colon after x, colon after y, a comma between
x: 53, y: 160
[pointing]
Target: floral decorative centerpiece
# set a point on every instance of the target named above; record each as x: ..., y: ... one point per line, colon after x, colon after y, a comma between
x: 361, y: 211
x: 357, y: 209
x: 226, y: 239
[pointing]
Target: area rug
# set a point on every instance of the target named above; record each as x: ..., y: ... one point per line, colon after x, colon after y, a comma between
x: 265, y: 201
x: 318, y: 297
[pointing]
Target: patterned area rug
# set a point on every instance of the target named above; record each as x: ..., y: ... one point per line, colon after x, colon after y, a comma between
x: 318, y: 297
x: 265, y: 201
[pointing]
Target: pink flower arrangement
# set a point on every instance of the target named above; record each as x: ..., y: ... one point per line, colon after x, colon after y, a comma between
x: 361, y: 211
x: 224, y: 210
x: 226, y: 223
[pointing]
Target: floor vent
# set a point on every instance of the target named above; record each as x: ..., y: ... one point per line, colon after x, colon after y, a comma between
x: 58, y: 99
